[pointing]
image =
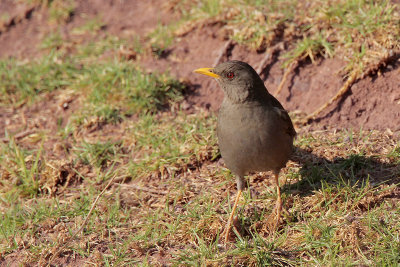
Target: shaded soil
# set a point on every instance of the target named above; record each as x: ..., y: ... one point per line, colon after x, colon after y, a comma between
x: 372, y: 103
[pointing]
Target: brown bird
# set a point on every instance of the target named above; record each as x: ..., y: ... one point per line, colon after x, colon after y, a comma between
x: 255, y: 133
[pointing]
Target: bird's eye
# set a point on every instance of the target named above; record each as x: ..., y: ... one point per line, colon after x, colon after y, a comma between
x: 230, y: 75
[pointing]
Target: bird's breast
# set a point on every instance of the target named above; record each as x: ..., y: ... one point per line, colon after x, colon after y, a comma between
x: 249, y: 139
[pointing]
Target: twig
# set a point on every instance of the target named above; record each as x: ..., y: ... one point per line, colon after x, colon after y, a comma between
x: 223, y: 52
x: 285, y: 75
x: 83, y: 224
x: 355, y: 74
x: 347, y: 85
x: 263, y: 63
x: 92, y: 208
x: 137, y: 187
x: 19, y: 135
x: 23, y: 118
x: 267, y: 57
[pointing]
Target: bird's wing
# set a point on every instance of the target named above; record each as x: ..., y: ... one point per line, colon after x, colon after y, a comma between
x: 278, y: 108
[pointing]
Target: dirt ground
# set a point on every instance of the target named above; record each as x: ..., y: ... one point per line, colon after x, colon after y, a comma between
x: 372, y: 102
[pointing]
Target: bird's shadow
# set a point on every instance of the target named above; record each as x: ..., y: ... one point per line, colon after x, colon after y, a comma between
x: 316, y: 172
x: 192, y: 89
x: 354, y: 170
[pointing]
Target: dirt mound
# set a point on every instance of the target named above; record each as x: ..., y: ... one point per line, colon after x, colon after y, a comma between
x: 372, y: 103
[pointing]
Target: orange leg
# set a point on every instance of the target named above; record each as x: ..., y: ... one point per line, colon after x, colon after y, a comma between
x: 228, y: 225
x: 278, y: 206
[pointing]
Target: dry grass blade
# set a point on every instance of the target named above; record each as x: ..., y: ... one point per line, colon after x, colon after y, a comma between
x: 350, y: 81
x: 223, y: 52
x: 285, y: 75
x: 268, y: 56
x: 19, y: 135
x: 141, y: 188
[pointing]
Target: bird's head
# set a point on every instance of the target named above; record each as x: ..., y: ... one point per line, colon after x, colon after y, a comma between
x: 238, y: 80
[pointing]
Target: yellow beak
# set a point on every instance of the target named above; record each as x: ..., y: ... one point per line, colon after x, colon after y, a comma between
x: 207, y: 71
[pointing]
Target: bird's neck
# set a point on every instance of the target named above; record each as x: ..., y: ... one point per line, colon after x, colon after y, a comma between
x: 252, y: 94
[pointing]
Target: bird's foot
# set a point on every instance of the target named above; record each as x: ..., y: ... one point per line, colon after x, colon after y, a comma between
x: 271, y: 224
x: 231, y: 231
x: 274, y: 219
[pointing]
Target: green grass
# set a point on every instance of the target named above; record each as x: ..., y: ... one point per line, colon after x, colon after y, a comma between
x: 173, y: 144
x: 52, y: 41
x: 92, y: 26
x: 119, y: 83
x: 61, y: 11
x: 23, y: 81
x: 395, y: 153
x: 23, y: 167
x: 97, y: 154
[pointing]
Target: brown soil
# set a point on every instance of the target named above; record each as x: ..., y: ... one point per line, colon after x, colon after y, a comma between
x: 372, y: 103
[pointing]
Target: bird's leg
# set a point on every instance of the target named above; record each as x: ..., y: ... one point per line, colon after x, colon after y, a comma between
x: 240, y: 187
x: 278, y: 206
x: 228, y: 225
